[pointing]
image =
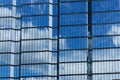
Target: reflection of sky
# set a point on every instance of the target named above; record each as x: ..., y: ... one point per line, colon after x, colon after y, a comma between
x: 68, y: 31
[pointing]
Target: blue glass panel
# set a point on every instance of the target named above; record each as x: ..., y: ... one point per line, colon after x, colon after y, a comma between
x: 107, y: 17
x: 72, y: 31
x: 105, y: 5
x: 35, y: 9
x: 35, y: 21
x: 34, y: 1
x: 73, y: 55
x: 4, y: 71
x: 73, y: 7
x: 73, y: 19
x: 73, y: 43
x: 102, y: 42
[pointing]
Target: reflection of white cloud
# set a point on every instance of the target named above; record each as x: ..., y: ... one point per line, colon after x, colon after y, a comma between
x: 115, y: 30
x: 5, y: 22
x: 5, y: 12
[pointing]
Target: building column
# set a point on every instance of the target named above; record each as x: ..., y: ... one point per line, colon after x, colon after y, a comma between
x: 89, y: 40
x: 50, y: 37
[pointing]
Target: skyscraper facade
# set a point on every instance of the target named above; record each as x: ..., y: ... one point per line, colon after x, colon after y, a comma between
x: 59, y: 39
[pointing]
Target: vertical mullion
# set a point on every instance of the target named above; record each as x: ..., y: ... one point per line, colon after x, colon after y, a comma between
x: 20, y: 41
x: 58, y: 29
x: 89, y: 41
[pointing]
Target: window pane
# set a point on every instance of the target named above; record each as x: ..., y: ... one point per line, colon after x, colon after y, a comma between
x: 105, y: 5
x: 37, y: 70
x: 35, y: 21
x: 37, y: 57
x: 73, y: 68
x: 72, y: 31
x: 107, y: 17
x: 73, y: 19
x: 73, y: 55
x: 35, y: 9
x: 73, y: 7
x: 38, y: 45
x: 73, y: 43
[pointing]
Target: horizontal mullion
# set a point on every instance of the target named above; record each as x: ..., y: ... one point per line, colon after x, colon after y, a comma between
x: 32, y: 15
x: 60, y: 75
x: 9, y: 29
x: 60, y: 14
x: 31, y: 76
x: 89, y: 49
x: 38, y: 39
x: 89, y: 36
x: 22, y: 52
x: 28, y: 16
x: 72, y: 49
x: 84, y: 74
x: 106, y: 48
x: 82, y: 25
x: 67, y: 62
x: 43, y: 63
x: 79, y: 1
x: 53, y: 63
x: 11, y: 65
x: 112, y: 60
x: 10, y: 41
x: 89, y: 24
x: 91, y: 74
x: 72, y: 37
x: 9, y: 77
x: 38, y: 27
x: 94, y: 12
x: 72, y: 74
x: 6, y: 5
x: 105, y: 73
x: 10, y: 17
x: 25, y: 4
x: 17, y: 53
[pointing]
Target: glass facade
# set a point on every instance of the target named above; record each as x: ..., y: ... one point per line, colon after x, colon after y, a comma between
x: 59, y: 39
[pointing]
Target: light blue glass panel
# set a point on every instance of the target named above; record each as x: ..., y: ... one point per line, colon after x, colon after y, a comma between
x: 106, y: 77
x: 37, y: 57
x: 73, y: 55
x: 38, y: 70
x: 6, y: 59
x: 106, y: 54
x: 106, y: 67
x: 35, y: 33
x: 73, y: 68
x: 35, y: 45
